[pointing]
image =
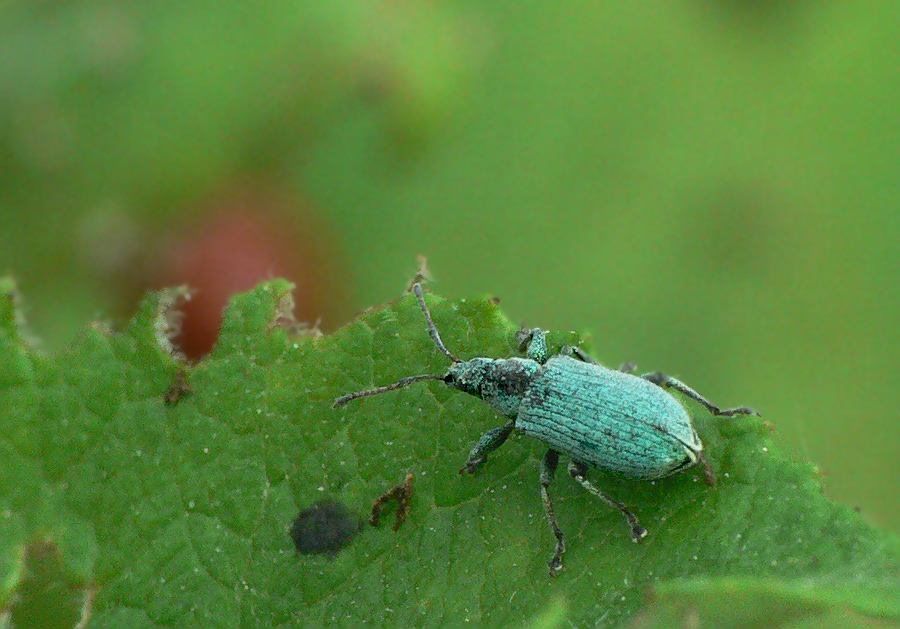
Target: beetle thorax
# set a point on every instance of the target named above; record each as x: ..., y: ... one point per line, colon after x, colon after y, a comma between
x: 500, y: 382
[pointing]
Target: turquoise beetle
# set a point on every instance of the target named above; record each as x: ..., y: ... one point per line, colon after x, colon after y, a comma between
x: 627, y: 425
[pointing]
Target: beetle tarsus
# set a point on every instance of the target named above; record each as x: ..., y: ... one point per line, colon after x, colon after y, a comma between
x: 638, y: 532
x: 668, y: 382
x: 556, y: 562
x: 743, y: 410
x: 472, y: 465
x: 548, y: 470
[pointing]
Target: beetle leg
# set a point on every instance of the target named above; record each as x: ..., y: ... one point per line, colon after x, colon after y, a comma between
x: 490, y: 441
x: 548, y: 469
x: 708, y: 474
x: 668, y: 382
x: 580, y: 354
x: 577, y: 352
x: 534, y: 343
x: 578, y: 471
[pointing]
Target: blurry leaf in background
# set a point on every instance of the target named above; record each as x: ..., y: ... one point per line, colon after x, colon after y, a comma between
x: 748, y: 602
x: 121, y: 123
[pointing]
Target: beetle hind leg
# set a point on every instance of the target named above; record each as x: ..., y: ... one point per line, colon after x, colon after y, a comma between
x: 578, y: 471
x: 548, y: 470
x: 574, y: 351
x: 668, y: 382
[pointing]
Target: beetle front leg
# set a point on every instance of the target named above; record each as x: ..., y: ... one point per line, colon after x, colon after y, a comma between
x: 578, y: 471
x: 668, y: 382
x: 534, y: 343
x: 490, y: 441
x: 548, y: 470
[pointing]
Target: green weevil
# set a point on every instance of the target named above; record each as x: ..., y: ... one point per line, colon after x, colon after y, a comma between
x: 627, y: 425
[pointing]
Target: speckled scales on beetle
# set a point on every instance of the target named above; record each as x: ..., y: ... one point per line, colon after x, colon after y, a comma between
x: 620, y: 423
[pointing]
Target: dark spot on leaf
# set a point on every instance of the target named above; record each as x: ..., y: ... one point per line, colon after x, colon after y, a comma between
x: 326, y: 527
x: 47, y: 594
x: 178, y: 389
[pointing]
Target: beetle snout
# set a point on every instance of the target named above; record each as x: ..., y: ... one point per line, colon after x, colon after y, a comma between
x: 463, y: 383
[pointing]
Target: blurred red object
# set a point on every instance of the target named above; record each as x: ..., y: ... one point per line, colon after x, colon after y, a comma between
x: 236, y: 245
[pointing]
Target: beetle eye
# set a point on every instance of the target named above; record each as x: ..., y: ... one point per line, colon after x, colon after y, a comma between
x: 448, y: 378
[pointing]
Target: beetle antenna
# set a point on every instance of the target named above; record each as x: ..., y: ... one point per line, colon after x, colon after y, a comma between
x: 435, y: 335
x: 403, y: 382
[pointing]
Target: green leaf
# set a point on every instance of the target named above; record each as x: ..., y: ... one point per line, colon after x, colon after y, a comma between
x: 165, y: 492
x: 748, y: 602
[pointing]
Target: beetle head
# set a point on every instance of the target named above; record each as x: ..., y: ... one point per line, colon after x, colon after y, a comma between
x: 469, y: 375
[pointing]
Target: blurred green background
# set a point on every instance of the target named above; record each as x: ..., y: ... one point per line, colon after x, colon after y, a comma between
x: 709, y: 187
